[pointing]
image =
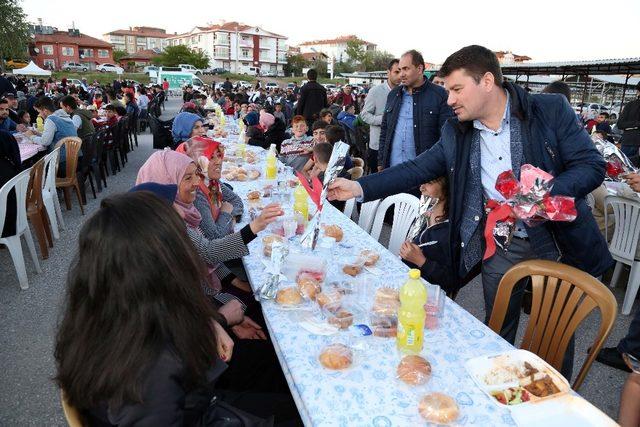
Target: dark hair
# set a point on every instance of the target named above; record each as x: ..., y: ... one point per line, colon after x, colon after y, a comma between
x: 110, y: 107
x: 334, y: 133
x: 558, y: 87
x: 121, y: 111
x: 322, y: 152
x: 392, y: 63
x: 319, y: 124
x: 4, y: 101
x: 69, y: 101
x: 45, y: 103
x: 21, y: 113
x: 129, y: 95
x: 606, y: 115
x: 476, y: 61
x: 312, y: 75
x: 444, y: 182
x: 325, y: 111
x: 133, y: 290
x: 416, y: 58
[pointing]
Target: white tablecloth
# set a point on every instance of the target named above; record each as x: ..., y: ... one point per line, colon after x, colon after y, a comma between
x: 368, y: 394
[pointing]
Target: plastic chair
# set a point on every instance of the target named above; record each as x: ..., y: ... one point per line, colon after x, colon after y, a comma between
x: 563, y: 297
x: 87, y: 166
x: 36, y: 211
x: 349, y: 206
x: 406, y: 211
x: 50, y: 194
x: 367, y: 214
x: 19, y: 183
x: 72, y: 144
x: 71, y: 414
x: 624, y: 244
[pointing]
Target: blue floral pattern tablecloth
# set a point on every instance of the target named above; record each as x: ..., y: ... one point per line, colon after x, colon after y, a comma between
x: 368, y: 393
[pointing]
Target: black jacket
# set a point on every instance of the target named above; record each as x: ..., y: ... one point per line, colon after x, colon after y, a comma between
x: 313, y: 98
x: 168, y: 401
x: 430, y: 112
x: 554, y: 142
x: 274, y: 135
x: 629, y: 122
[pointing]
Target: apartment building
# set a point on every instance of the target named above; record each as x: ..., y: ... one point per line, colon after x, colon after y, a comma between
x: 235, y: 47
x: 136, y: 39
x: 334, y: 48
x: 54, y: 49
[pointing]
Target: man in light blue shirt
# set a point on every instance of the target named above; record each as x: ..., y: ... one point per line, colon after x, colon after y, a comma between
x: 403, y: 147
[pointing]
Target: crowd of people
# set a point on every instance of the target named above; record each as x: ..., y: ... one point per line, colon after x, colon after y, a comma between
x: 160, y: 323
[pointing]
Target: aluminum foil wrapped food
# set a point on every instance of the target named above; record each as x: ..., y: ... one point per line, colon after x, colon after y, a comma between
x: 528, y: 200
x: 424, y: 210
x: 618, y: 164
x: 334, y: 167
x: 269, y: 289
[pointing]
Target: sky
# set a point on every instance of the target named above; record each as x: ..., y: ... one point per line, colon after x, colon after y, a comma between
x: 545, y: 30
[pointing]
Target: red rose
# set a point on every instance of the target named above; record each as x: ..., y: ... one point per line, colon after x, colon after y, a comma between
x: 560, y: 208
x: 614, y: 168
x: 507, y: 185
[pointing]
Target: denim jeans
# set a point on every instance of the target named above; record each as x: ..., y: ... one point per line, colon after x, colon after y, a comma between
x: 631, y: 342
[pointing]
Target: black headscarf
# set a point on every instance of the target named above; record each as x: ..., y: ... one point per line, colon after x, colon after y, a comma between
x: 9, y: 149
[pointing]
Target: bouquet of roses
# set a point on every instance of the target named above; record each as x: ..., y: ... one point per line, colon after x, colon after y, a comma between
x: 527, y: 200
x: 618, y: 164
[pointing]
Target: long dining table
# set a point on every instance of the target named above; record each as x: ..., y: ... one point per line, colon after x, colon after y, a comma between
x: 368, y: 393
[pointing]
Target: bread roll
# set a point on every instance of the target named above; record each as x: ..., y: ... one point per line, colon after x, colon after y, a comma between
x: 267, y: 243
x: 439, y: 408
x: 336, y: 356
x: 370, y: 257
x: 334, y: 231
x: 414, y: 370
x: 289, y: 296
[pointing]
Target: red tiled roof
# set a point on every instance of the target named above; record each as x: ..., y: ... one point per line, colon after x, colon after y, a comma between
x: 311, y: 56
x: 227, y: 26
x: 142, y: 55
x: 141, y: 32
x: 500, y: 54
x: 64, y: 37
x: 341, y: 39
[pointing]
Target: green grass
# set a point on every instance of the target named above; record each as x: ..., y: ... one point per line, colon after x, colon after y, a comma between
x: 102, y: 78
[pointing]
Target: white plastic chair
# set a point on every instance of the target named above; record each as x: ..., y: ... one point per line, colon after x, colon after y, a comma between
x: 367, y: 214
x: 50, y: 194
x: 406, y: 211
x: 349, y: 207
x: 624, y: 244
x: 20, y: 182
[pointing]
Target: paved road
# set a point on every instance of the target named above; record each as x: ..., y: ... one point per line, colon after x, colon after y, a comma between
x: 28, y: 395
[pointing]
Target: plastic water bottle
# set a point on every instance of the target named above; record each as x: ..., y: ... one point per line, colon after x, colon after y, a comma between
x: 301, y: 205
x: 413, y: 297
x: 40, y: 124
x: 271, y: 170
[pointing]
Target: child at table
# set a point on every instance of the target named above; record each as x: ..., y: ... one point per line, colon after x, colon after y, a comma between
x: 296, y: 151
x: 430, y: 250
x: 320, y: 162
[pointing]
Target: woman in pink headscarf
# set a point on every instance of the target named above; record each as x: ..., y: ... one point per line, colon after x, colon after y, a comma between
x: 170, y: 167
x: 273, y: 132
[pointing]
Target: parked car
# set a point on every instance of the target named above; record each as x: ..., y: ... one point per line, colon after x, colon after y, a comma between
x: 214, y: 71
x: 268, y: 74
x: 74, y: 66
x: 190, y: 69
x: 109, y: 68
x: 150, y: 68
x: 251, y: 71
x: 271, y: 85
x: 243, y: 84
x: 586, y: 107
x: 290, y: 86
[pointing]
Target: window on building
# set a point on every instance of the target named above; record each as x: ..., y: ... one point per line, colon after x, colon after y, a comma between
x: 222, y: 51
x: 245, y: 64
x: 68, y: 51
x: 222, y: 38
x: 245, y: 53
x: 103, y: 53
x: 47, y: 49
x: 84, y: 53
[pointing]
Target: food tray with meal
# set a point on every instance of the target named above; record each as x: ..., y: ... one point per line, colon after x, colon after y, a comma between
x: 234, y: 173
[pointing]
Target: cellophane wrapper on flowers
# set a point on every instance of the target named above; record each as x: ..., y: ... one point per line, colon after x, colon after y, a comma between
x: 529, y: 198
x: 618, y: 164
x: 424, y: 210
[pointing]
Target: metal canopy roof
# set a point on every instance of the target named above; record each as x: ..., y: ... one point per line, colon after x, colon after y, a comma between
x: 592, y: 67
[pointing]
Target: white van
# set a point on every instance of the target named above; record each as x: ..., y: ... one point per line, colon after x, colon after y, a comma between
x: 188, y: 68
x: 251, y: 71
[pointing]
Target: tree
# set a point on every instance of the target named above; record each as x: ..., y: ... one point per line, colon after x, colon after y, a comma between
x: 376, y: 60
x: 14, y: 31
x: 294, y: 65
x: 175, y: 55
x: 355, y: 50
x: 119, y: 54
